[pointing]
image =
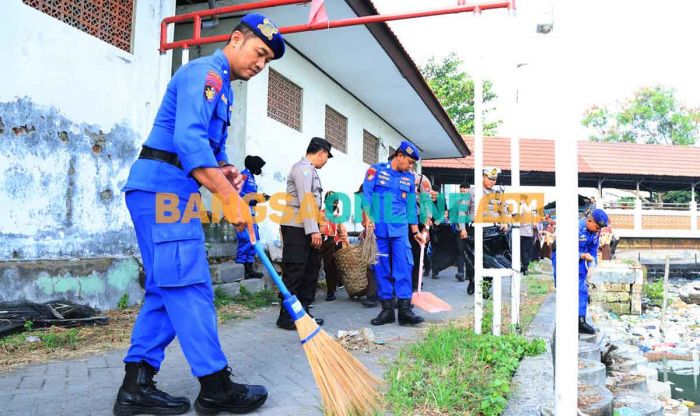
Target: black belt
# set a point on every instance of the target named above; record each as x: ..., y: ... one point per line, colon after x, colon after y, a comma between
x: 161, y: 155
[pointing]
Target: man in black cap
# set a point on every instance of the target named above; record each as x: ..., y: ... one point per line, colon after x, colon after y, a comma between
x: 245, y: 252
x: 301, y: 235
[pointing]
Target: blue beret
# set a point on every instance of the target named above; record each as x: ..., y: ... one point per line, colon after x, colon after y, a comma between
x: 600, y: 217
x: 266, y: 31
x: 409, y: 149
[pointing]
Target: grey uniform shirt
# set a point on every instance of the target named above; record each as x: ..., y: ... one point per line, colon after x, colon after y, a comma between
x: 492, y: 209
x: 303, y: 180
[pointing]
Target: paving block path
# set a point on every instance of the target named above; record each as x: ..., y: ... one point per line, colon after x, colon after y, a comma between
x: 258, y: 353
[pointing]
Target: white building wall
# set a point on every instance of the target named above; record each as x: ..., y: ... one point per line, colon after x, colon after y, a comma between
x: 74, y: 111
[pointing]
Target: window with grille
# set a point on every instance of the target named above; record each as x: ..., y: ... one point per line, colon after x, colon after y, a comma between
x: 370, y: 146
x: 109, y: 20
x: 337, y: 129
x: 284, y: 100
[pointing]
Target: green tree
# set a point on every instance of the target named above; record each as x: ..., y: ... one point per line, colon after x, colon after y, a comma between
x: 454, y: 89
x: 652, y: 116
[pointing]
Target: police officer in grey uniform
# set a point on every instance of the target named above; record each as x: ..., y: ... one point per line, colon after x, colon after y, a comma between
x: 493, y: 195
x: 301, y: 236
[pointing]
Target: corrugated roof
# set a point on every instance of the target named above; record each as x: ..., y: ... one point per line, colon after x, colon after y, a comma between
x: 537, y: 155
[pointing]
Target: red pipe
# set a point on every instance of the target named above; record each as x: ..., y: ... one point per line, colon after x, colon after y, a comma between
x: 196, y: 40
x: 389, y: 17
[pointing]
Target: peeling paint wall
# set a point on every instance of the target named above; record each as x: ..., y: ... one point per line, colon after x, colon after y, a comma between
x: 98, y: 282
x: 72, y: 120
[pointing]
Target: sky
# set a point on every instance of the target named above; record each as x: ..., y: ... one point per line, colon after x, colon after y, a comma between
x: 599, y: 52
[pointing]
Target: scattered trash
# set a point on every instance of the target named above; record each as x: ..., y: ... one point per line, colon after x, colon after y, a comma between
x: 361, y: 340
x: 671, y: 348
x: 32, y: 338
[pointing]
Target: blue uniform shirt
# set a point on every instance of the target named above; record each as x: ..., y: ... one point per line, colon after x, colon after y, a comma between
x: 587, y: 241
x: 391, y: 197
x: 249, y: 186
x: 192, y: 122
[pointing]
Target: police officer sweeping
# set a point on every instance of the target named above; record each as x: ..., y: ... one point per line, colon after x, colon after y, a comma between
x: 389, y: 201
x: 245, y: 252
x: 301, y: 235
x: 588, y: 240
x: 186, y: 150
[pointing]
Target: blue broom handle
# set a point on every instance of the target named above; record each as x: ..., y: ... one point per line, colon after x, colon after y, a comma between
x: 268, y: 265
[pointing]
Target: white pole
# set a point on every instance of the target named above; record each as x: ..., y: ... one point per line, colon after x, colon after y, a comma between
x: 662, y: 326
x: 515, y: 233
x: 496, y: 327
x: 185, y: 56
x: 478, y: 192
x: 566, y: 366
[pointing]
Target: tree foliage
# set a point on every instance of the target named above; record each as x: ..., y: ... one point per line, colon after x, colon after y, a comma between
x: 454, y: 89
x: 652, y: 116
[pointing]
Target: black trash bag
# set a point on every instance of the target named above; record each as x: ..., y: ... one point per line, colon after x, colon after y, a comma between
x: 13, y: 315
x: 444, y: 252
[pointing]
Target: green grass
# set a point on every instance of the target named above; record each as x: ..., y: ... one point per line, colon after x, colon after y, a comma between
x: 51, y: 338
x: 453, y: 371
x: 250, y: 300
x: 456, y: 372
x: 537, y: 287
x: 123, y: 302
x: 654, y: 292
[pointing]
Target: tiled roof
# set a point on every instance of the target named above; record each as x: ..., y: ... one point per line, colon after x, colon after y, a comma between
x: 537, y: 155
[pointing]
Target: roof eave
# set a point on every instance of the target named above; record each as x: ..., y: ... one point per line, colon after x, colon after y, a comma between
x: 393, y: 48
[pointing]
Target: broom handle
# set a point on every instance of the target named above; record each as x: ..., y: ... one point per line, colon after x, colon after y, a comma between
x: 268, y: 265
x: 420, y: 267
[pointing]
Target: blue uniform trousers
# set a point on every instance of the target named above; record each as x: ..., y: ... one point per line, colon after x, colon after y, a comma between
x: 245, y: 252
x: 393, y: 270
x: 179, y: 298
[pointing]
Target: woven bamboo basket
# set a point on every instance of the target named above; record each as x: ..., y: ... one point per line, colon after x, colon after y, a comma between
x: 352, y: 269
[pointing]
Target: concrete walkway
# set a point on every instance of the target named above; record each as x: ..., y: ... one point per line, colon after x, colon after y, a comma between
x: 258, y: 353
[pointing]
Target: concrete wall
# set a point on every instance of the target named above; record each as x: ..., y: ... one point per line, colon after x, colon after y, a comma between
x: 253, y: 133
x: 74, y: 111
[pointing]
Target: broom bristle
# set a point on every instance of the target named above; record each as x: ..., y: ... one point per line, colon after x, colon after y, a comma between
x: 347, y: 387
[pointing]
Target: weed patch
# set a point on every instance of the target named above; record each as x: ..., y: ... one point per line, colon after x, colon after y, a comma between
x: 453, y: 371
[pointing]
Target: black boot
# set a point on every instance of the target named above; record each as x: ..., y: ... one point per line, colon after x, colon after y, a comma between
x: 470, y: 287
x: 406, y: 315
x: 138, y: 394
x: 434, y: 275
x: 459, y: 277
x: 250, y: 272
x: 285, y: 321
x: 319, y: 321
x: 370, y: 302
x: 220, y: 394
x: 386, y: 316
x: 330, y: 296
x: 584, y: 327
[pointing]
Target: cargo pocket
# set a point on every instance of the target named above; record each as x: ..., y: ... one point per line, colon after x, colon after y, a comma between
x: 179, y: 256
x: 409, y: 253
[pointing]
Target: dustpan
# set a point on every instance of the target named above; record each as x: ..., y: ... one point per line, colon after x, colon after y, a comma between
x: 426, y: 300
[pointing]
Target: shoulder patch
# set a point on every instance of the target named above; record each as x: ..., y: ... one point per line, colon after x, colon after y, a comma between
x: 212, y: 85
x: 370, y: 173
x: 214, y: 80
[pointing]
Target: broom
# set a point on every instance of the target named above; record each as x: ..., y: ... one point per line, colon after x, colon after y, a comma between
x: 347, y: 387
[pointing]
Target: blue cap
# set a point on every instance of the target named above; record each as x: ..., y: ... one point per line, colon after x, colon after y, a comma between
x: 600, y: 217
x: 409, y: 149
x: 266, y: 31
